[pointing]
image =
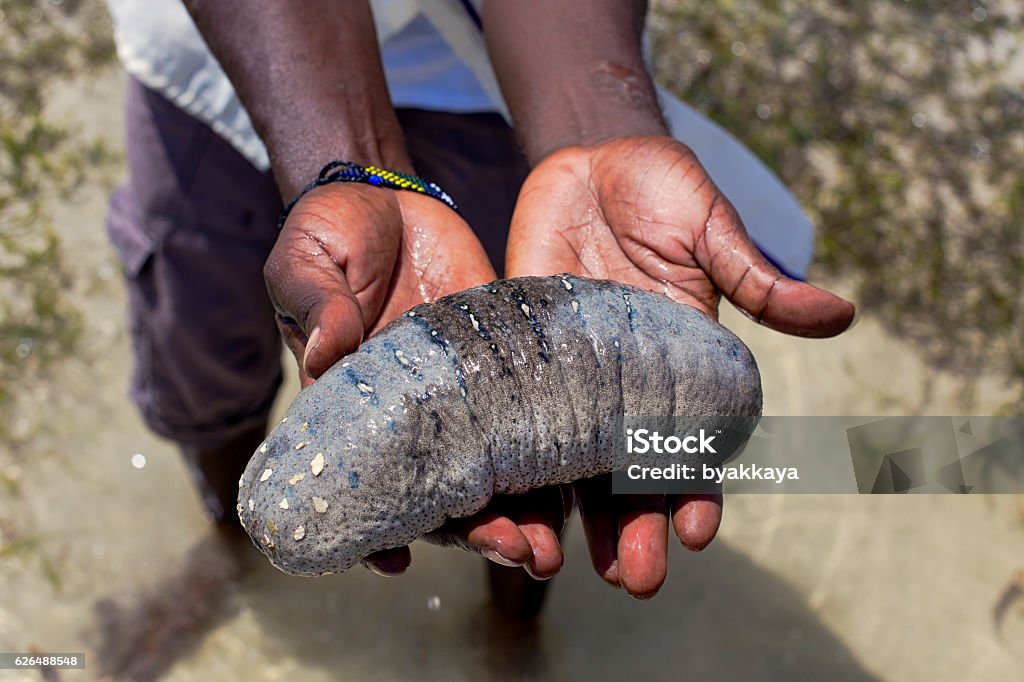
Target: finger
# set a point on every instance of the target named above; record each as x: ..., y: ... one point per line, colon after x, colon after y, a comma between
x: 389, y: 562
x: 296, y: 342
x: 758, y: 288
x: 494, y: 536
x: 643, y: 545
x: 600, y: 526
x: 546, y: 552
x: 330, y: 269
x: 310, y: 292
x: 540, y: 515
x: 696, y: 519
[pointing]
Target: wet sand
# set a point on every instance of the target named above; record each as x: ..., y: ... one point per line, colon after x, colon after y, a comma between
x: 796, y: 587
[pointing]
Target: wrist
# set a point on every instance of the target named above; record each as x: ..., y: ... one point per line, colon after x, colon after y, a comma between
x: 297, y: 159
x: 615, y: 102
x: 572, y: 72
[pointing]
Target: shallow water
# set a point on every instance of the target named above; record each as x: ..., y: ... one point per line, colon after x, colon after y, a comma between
x: 797, y: 587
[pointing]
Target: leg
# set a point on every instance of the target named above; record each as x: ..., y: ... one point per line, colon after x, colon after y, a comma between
x: 193, y: 225
x: 475, y: 158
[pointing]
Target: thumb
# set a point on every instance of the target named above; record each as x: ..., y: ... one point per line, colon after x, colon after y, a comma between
x: 741, y: 272
x: 318, y: 314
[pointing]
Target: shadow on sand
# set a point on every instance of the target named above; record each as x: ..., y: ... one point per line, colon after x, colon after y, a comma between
x: 719, y: 616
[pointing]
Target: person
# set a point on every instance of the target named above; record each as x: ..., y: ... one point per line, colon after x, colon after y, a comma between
x: 600, y: 188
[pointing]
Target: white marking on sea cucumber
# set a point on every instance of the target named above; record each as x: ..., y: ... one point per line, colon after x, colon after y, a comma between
x: 320, y: 505
x: 462, y: 390
x: 476, y: 325
x: 364, y: 388
x: 317, y: 465
x: 300, y: 533
x: 401, y: 358
x: 463, y: 306
x: 266, y: 474
x: 526, y: 309
x: 412, y: 313
x: 567, y: 284
x: 302, y: 444
x: 263, y: 448
x: 296, y: 478
x: 252, y: 504
x: 433, y: 333
x: 284, y: 503
x: 615, y: 343
x: 241, y: 480
x: 345, y: 364
x: 305, y: 427
x: 284, y: 419
x: 575, y: 306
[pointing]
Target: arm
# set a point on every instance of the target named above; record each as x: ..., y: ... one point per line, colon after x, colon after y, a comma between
x: 310, y: 76
x: 613, y: 196
x: 352, y: 257
x: 579, y: 78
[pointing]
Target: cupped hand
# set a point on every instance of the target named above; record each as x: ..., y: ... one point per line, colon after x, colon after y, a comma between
x: 349, y: 259
x: 643, y: 211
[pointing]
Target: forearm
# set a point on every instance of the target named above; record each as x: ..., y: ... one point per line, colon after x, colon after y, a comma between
x: 310, y: 76
x: 572, y: 71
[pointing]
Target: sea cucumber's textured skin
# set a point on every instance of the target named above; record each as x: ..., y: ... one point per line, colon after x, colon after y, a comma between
x: 501, y: 388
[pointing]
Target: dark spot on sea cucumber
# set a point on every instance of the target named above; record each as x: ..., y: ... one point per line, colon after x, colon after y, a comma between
x: 353, y: 480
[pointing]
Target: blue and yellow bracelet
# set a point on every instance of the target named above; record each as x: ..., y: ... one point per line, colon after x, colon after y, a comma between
x: 347, y: 171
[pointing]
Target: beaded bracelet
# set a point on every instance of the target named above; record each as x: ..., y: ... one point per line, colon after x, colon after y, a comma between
x: 346, y: 171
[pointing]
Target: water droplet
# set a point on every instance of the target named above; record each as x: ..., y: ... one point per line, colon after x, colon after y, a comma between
x: 138, y: 460
x: 704, y: 56
x: 979, y: 14
x: 980, y: 149
x: 105, y: 272
x: 434, y: 603
x: 24, y: 347
x: 810, y: 54
x: 739, y: 48
x: 919, y: 120
x: 763, y: 111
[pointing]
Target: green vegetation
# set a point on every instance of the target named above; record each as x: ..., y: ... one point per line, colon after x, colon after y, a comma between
x: 41, y: 44
x: 901, y: 131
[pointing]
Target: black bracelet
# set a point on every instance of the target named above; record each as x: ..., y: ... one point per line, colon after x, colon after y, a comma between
x: 346, y: 171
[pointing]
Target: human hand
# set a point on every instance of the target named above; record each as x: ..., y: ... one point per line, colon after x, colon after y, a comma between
x: 642, y: 211
x: 350, y: 258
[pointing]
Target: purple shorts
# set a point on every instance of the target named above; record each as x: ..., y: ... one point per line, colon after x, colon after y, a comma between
x: 193, y: 226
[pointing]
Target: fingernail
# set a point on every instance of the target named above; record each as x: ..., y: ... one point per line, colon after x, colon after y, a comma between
x: 493, y: 555
x: 642, y: 596
x: 856, y: 316
x: 314, y: 338
x: 382, y: 573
